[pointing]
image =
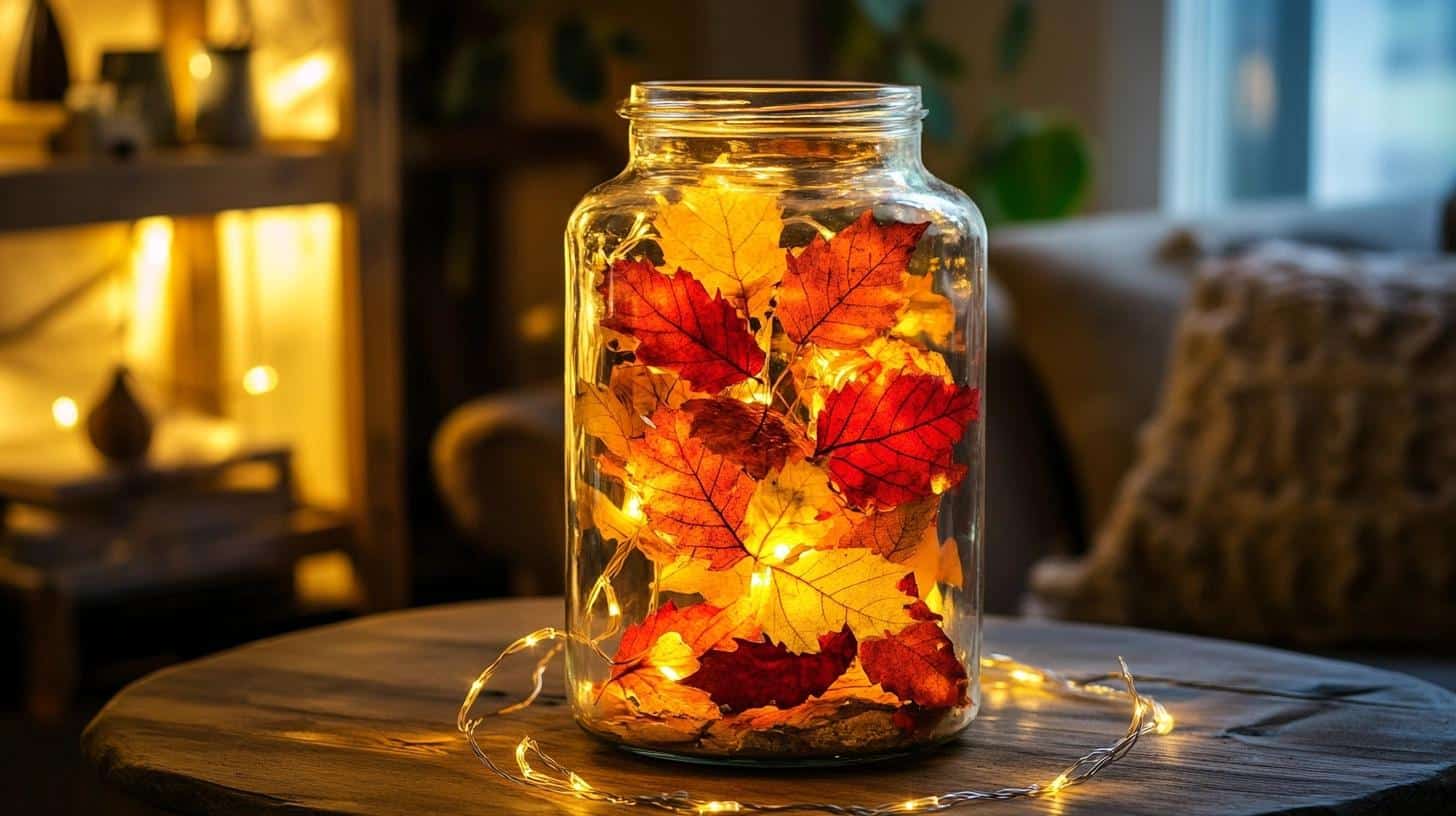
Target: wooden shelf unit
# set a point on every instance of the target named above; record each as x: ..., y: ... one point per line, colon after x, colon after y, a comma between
x: 66, y: 191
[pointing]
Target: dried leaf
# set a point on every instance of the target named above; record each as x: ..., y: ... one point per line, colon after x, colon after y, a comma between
x: 644, y: 389
x: 843, y: 292
x: 729, y: 238
x: 679, y: 326
x: 918, y: 665
x: 603, y: 415
x: 693, y: 576
x: 792, y: 508
x: 889, y: 441
x: 927, y: 314
x: 818, y: 372
x: 897, y: 532
x: 826, y: 590
x: 761, y: 673
x: 595, y: 511
x: 696, y: 628
x: 751, y: 434
x: 697, y: 497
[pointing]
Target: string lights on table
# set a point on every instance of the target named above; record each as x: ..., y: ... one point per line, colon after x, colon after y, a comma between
x: 551, y: 778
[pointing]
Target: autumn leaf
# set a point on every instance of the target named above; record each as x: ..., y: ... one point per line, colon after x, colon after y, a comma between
x: 679, y: 326
x: 751, y: 434
x: 897, y: 532
x: 600, y: 413
x: 697, y: 497
x: 927, y: 313
x: 826, y: 590
x: 843, y: 292
x: 695, y: 630
x: 793, y: 507
x: 761, y: 673
x: 729, y: 238
x: 693, y: 576
x: 918, y: 665
x: 644, y: 389
x: 595, y: 511
x: 817, y: 372
x: 890, y: 441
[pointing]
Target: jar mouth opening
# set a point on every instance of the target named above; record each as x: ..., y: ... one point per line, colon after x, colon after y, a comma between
x: 774, y: 105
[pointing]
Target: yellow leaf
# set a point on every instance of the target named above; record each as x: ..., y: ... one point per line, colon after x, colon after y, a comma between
x: 928, y: 313
x: 791, y: 508
x: 595, y: 510
x: 728, y: 239
x: 693, y: 576
x: 825, y: 590
x: 604, y: 416
x: 950, y: 564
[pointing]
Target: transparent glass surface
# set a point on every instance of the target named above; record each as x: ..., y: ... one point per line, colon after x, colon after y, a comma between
x: 774, y: 439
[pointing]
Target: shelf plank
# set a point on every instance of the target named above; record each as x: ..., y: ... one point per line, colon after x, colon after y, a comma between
x: 69, y: 191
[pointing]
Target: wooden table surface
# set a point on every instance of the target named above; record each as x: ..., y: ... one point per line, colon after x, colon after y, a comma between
x: 358, y: 718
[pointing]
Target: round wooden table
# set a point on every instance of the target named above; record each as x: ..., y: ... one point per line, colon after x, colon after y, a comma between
x: 359, y: 718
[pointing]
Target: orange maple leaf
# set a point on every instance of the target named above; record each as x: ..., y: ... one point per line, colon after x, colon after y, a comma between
x: 843, y: 292
x: 696, y: 497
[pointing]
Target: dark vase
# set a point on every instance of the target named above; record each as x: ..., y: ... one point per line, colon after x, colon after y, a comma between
x: 41, y: 73
x: 119, y: 426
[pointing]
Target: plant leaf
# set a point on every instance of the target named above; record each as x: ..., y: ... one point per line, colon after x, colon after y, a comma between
x: 644, y: 389
x: 896, y: 533
x: 751, y: 434
x: 889, y: 441
x: 697, y: 497
x: 792, y: 508
x: 729, y: 238
x: 693, y: 576
x: 826, y: 590
x: 761, y: 673
x: 697, y: 628
x: 603, y: 415
x: 918, y: 665
x: 679, y: 326
x: 595, y: 511
x: 843, y: 292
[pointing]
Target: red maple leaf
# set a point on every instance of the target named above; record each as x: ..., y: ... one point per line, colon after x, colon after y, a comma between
x: 888, y: 441
x: 761, y: 673
x: 697, y: 496
x: 702, y: 626
x: 843, y: 292
x: 679, y: 326
x: 918, y: 665
x: 751, y: 434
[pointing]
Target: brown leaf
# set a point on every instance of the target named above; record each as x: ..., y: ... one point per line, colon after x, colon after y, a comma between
x: 679, y: 326
x: 695, y: 499
x: 751, y: 434
x: 843, y: 292
x: 918, y: 665
x: 895, y: 533
x: 644, y: 389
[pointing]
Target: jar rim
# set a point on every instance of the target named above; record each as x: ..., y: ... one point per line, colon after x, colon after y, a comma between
x: 774, y: 105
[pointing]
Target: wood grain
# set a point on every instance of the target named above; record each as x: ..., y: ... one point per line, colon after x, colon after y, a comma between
x: 358, y: 718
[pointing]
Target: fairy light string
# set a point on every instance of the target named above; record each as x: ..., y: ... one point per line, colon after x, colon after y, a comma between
x: 536, y: 770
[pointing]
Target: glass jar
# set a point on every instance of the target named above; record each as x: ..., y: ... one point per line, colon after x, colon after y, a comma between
x: 774, y: 445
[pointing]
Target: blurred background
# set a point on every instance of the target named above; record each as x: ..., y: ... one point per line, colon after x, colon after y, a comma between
x: 281, y: 304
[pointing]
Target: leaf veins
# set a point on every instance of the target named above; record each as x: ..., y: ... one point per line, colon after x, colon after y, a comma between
x: 889, y: 441
x: 679, y: 326
x: 843, y: 292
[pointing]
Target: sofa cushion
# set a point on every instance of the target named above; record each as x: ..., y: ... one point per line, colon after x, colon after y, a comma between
x: 1096, y: 300
x: 1298, y: 481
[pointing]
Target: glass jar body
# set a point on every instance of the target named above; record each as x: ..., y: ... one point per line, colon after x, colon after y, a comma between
x: 774, y: 450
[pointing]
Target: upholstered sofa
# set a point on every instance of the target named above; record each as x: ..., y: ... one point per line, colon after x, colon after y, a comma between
x: 1081, y: 317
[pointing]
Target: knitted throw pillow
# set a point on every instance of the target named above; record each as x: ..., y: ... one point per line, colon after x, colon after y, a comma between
x: 1298, y: 481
